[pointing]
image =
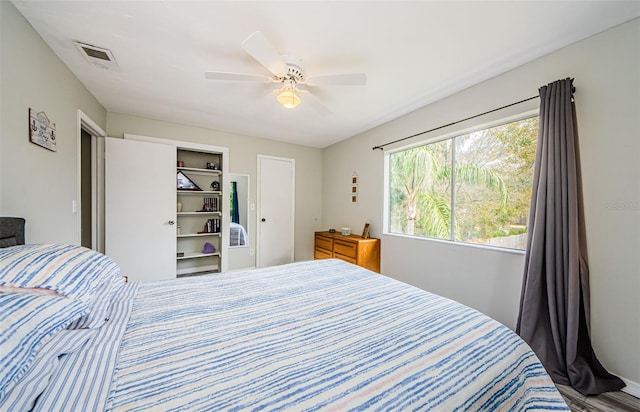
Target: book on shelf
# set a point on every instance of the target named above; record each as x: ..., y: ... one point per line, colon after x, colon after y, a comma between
x: 210, y: 204
x: 212, y: 226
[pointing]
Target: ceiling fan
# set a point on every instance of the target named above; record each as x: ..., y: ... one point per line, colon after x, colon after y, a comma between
x: 288, y: 71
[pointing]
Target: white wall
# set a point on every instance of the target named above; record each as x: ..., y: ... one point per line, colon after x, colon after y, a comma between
x: 606, y: 68
x: 36, y: 183
x: 243, y: 151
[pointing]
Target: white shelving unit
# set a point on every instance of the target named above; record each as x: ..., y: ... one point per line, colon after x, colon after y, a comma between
x: 198, y: 192
x: 199, y: 170
x: 195, y: 255
x: 198, y: 235
x: 199, y: 213
x: 192, y: 219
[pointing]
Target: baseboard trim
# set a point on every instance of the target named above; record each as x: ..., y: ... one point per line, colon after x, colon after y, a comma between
x: 240, y: 270
x: 632, y: 388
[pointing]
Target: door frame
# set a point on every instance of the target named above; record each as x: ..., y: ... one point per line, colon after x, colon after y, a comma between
x: 259, y: 202
x: 97, y: 176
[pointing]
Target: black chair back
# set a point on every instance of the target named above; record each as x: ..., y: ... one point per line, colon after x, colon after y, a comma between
x: 11, y: 231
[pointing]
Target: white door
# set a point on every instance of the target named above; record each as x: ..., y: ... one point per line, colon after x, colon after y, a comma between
x: 140, y: 208
x: 276, y: 195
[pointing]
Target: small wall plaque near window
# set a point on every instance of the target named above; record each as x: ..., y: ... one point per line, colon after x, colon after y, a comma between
x: 42, y: 131
x: 354, y: 188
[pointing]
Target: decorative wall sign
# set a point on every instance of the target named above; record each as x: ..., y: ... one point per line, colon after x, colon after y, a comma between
x: 354, y: 188
x: 42, y: 131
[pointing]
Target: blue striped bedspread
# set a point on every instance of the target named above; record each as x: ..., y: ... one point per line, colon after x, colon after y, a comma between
x: 321, y: 335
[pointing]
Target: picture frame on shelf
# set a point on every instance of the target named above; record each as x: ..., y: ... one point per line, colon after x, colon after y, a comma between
x: 184, y: 183
x: 365, y: 231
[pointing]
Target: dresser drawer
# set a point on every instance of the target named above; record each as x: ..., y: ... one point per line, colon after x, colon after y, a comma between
x: 325, y: 243
x: 322, y: 254
x: 345, y: 258
x: 343, y: 248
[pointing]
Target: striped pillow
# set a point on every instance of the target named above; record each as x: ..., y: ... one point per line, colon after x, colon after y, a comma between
x: 28, y: 321
x: 23, y: 395
x: 72, y: 271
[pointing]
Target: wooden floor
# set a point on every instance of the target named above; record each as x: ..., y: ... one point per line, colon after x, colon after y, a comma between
x: 607, y: 402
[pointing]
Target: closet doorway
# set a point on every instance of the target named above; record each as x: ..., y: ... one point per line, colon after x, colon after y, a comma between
x: 89, y: 203
x: 86, y: 188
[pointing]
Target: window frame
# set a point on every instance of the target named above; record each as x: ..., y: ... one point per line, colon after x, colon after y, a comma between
x: 454, y: 132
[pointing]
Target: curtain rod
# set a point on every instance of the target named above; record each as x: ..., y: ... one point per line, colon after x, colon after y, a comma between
x: 451, y: 124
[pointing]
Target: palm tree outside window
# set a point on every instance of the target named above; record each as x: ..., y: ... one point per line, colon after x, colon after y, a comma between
x: 472, y: 188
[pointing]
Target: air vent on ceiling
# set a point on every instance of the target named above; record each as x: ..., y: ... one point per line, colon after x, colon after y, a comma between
x: 96, y: 55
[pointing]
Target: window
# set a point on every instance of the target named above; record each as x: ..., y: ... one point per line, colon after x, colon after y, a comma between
x: 472, y: 188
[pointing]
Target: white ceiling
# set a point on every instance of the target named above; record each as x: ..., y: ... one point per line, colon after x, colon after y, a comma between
x: 413, y: 53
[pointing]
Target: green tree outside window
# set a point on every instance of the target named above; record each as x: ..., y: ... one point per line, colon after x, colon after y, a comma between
x: 473, y: 188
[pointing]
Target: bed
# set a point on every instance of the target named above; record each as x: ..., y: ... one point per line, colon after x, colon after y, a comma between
x: 318, y: 335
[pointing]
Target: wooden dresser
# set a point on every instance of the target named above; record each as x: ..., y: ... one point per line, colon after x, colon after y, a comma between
x: 353, y: 249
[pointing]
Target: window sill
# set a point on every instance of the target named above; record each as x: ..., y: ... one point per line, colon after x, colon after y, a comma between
x: 461, y: 244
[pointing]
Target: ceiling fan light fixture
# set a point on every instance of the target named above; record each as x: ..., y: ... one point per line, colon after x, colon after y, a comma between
x: 288, y: 97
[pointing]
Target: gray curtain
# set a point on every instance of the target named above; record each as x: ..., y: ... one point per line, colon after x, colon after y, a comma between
x: 554, y: 316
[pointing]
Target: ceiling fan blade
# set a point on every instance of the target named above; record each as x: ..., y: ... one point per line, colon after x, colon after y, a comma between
x: 237, y: 77
x: 263, y: 51
x: 313, y: 101
x: 348, y: 79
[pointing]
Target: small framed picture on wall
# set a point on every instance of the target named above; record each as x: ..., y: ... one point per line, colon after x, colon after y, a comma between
x: 354, y: 188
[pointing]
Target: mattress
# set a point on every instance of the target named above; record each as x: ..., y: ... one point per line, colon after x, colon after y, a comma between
x: 320, y: 335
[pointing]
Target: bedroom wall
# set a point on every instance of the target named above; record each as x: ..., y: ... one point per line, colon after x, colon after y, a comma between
x: 243, y: 151
x: 36, y: 183
x: 606, y: 69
